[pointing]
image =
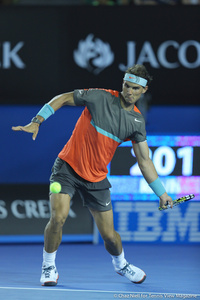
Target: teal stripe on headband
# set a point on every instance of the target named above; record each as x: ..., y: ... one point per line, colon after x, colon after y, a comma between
x: 135, y: 79
x: 102, y: 131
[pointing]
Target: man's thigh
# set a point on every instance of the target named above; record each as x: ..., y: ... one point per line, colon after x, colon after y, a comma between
x: 60, y: 204
x: 97, y: 200
x: 104, y: 221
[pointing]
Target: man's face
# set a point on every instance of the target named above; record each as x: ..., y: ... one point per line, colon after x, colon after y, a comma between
x: 132, y: 92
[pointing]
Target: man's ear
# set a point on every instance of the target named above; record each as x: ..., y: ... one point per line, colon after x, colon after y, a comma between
x: 145, y: 89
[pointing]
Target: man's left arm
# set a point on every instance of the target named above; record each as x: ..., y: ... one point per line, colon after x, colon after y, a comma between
x: 149, y: 172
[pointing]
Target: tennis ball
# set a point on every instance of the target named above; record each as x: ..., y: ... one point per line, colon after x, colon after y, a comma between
x: 55, y: 187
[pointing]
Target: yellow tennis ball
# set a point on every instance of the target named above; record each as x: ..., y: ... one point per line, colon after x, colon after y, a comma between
x: 55, y: 187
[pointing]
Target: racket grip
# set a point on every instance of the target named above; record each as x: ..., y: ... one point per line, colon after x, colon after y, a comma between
x: 167, y: 204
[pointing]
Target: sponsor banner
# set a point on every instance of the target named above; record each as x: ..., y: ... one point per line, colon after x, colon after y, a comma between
x: 25, y: 211
x: 58, y: 52
x: 141, y: 221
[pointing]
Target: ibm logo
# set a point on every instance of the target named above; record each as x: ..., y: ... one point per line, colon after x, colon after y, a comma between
x: 142, y: 222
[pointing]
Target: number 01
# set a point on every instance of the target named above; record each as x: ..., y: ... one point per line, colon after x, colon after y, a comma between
x: 164, y: 159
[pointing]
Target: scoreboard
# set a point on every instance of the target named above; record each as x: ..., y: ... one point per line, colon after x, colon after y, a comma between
x: 176, y: 159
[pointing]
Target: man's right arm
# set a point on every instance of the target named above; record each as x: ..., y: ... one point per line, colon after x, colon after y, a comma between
x: 54, y: 104
x: 61, y: 100
x: 58, y: 101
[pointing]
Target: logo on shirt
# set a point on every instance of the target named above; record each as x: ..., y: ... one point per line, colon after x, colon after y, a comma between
x: 136, y: 120
x: 93, y: 54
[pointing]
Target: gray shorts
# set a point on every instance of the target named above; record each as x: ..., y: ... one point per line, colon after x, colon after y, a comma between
x: 95, y: 195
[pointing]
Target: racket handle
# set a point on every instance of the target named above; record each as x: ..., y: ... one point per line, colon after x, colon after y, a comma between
x: 167, y: 204
x: 178, y: 201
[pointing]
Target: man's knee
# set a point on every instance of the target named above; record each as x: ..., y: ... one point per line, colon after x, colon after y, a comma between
x: 58, y: 217
x: 110, y: 237
x: 57, y: 220
x: 59, y: 210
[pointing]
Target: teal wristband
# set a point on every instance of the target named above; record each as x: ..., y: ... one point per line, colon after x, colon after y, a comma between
x: 46, y: 111
x: 157, y: 187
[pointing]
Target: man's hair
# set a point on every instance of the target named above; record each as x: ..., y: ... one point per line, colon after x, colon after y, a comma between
x: 141, y: 71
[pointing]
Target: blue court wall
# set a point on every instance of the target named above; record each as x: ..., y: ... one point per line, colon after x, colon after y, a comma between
x: 26, y: 161
x: 26, y: 166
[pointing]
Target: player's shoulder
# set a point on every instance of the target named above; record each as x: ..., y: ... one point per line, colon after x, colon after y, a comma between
x: 137, y: 117
x: 136, y: 112
x: 105, y: 91
x: 111, y: 92
x: 98, y: 91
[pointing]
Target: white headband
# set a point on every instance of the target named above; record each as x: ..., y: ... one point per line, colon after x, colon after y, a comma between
x: 135, y: 79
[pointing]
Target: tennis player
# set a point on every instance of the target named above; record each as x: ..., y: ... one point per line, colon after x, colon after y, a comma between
x: 109, y: 118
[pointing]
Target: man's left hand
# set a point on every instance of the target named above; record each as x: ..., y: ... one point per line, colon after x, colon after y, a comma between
x: 165, y: 200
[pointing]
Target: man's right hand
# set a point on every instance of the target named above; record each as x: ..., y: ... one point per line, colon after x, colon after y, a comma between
x: 31, y: 128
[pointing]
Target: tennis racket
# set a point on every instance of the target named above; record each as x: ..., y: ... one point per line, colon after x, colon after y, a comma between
x: 179, y: 201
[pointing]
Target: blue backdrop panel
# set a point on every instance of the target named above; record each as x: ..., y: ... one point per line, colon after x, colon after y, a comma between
x: 24, y: 160
x: 21, y: 157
